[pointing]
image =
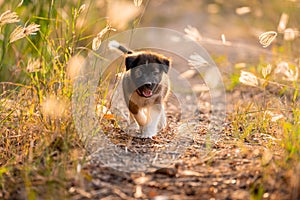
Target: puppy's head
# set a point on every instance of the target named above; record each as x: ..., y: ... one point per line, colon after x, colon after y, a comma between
x: 146, y: 71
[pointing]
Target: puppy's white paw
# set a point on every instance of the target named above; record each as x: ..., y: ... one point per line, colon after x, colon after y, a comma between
x: 132, y: 129
x: 162, y: 122
x: 148, y: 132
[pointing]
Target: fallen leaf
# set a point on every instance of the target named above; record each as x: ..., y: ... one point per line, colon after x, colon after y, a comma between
x: 190, y: 173
x: 240, y: 194
x: 108, y: 116
x: 266, y: 157
x: 167, y: 171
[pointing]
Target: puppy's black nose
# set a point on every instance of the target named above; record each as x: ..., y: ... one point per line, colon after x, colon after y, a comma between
x: 148, y: 85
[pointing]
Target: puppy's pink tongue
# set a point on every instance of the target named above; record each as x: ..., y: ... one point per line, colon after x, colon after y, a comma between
x: 147, y: 93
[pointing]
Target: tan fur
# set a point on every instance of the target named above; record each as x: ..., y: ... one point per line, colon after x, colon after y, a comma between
x: 147, y: 112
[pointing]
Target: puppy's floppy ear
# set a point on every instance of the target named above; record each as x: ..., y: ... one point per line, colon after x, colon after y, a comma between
x: 166, y: 63
x: 130, y: 61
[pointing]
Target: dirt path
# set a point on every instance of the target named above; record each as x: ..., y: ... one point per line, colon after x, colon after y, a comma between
x: 232, y: 169
x: 226, y: 168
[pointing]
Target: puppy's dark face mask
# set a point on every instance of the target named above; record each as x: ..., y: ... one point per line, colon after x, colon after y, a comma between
x: 146, y: 71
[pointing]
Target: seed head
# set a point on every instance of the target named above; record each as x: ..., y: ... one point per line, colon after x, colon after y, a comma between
x: 54, y: 107
x: 137, y: 3
x: 21, y: 32
x: 288, y: 73
x: 192, y: 33
x: 248, y: 78
x: 266, y: 70
x: 197, y: 61
x: 74, y: 66
x: 80, y: 10
x: 267, y: 38
x: 98, y: 39
x: 33, y: 65
x: 20, y: 4
x: 8, y: 17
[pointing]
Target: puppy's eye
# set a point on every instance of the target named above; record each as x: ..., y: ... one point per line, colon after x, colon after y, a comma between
x: 138, y: 73
x: 156, y: 72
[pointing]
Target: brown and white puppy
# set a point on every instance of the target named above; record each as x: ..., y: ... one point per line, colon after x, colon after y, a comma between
x: 146, y: 86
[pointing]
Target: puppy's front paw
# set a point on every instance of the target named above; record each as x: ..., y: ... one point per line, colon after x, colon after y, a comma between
x: 132, y: 129
x: 148, y: 132
x: 163, y: 122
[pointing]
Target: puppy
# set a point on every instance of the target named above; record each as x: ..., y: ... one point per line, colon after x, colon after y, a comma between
x: 146, y: 86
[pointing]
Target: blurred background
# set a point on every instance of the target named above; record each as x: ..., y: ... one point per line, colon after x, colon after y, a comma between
x: 238, y: 22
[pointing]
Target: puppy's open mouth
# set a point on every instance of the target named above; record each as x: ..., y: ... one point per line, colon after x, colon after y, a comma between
x: 146, y: 93
x: 146, y: 90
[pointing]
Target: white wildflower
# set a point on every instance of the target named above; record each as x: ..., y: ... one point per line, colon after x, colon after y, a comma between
x: 267, y: 38
x: 248, y: 78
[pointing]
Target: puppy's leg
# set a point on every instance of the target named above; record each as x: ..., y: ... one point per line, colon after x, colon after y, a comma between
x: 132, y: 126
x: 163, y: 119
x: 137, y: 121
x: 142, y: 117
x: 150, y: 129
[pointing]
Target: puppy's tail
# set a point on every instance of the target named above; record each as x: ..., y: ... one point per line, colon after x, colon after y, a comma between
x: 116, y: 45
